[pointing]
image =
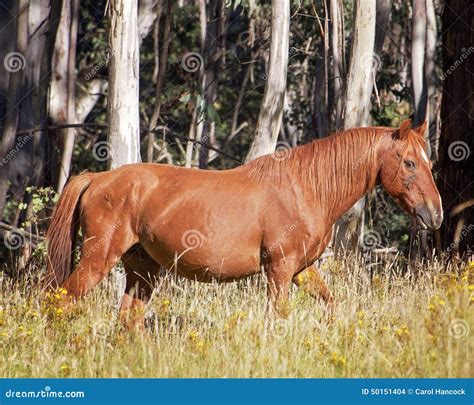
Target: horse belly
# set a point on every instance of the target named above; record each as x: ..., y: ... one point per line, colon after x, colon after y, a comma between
x: 203, y: 264
x: 214, y: 273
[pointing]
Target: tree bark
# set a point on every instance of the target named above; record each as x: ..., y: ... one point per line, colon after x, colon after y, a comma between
x: 456, y: 170
x: 122, y: 103
x: 31, y: 162
x: 17, y: 64
x: 271, y: 110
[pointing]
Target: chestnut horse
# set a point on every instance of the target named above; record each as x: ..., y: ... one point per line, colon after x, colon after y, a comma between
x: 276, y: 212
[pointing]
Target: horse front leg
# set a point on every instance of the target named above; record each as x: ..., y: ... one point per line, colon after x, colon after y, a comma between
x: 141, y: 272
x: 279, y: 276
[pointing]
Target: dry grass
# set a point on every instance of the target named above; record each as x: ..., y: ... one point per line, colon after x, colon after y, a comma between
x: 385, y: 325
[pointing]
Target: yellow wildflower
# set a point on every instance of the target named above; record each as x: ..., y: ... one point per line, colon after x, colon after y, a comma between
x: 193, y: 335
x: 338, y: 361
x: 402, y: 331
x: 64, y: 368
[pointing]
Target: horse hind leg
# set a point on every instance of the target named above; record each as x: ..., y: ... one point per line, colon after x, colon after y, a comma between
x: 99, y: 254
x: 141, y: 271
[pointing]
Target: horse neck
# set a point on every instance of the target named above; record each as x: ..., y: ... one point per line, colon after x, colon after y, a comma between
x: 343, y: 173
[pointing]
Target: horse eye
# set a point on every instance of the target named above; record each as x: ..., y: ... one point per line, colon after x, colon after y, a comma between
x: 409, y: 164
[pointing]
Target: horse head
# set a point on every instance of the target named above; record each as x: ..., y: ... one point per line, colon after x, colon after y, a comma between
x: 405, y: 172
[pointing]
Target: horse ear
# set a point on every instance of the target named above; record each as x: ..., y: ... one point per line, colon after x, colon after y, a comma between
x: 404, y: 129
x: 422, y: 128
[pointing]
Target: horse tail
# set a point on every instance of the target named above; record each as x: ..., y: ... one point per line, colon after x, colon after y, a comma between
x: 62, y: 231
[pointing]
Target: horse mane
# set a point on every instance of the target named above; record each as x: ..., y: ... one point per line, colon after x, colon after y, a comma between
x: 330, y: 167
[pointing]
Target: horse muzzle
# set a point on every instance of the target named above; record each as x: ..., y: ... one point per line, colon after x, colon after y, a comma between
x: 428, y: 218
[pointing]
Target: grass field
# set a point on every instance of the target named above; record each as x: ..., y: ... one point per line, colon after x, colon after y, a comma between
x: 385, y: 325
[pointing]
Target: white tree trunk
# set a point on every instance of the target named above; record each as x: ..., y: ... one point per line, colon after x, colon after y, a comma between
x: 271, y: 110
x: 147, y: 13
x: 349, y: 229
x: 360, y: 79
x: 418, y: 42
x: 90, y: 94
x: 337, y: 50
x: 63, y: 82
x: 195, y: 130
x: 122, y: 103
x: 430, y: 70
